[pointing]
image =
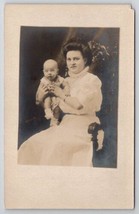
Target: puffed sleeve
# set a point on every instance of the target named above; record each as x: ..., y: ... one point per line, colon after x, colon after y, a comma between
x: 90, y: 95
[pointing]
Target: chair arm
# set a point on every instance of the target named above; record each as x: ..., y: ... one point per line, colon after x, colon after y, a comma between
x: 97, y: 133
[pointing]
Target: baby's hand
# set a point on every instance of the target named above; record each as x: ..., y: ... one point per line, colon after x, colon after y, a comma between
x: 50, y: 87
x: 41, y: 93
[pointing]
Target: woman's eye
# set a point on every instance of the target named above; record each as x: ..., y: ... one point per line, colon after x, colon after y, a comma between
x: 76, y: 59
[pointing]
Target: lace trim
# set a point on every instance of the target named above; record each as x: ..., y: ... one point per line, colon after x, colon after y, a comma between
x: 81, y: 74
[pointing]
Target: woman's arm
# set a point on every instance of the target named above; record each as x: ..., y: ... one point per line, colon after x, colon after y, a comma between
x: 41, y: 93
x: 72, y: 101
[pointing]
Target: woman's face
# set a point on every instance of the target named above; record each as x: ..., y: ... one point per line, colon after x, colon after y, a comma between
x: 75, y: 61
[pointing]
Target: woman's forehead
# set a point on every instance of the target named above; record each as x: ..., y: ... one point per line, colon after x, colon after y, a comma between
x: 74, y: 53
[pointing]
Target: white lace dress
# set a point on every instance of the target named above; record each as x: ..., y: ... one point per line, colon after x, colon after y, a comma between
x: 68, y: 144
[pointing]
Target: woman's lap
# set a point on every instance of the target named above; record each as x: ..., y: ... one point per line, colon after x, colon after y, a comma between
x: 67, y: 144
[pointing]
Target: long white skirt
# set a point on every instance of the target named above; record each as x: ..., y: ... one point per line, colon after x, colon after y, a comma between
x: 68, y: 144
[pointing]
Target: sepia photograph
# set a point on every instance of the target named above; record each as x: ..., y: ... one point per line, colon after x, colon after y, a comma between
x: 69, y: 106
x: 68, y: 96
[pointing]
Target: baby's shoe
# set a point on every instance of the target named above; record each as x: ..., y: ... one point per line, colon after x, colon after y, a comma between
x: 54, y: 122
x: 48, y: 113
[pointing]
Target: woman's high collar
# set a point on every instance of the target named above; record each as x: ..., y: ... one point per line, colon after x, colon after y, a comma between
x: 81, y: 74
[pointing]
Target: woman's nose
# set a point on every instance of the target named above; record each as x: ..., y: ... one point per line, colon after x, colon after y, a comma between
x: 72, y: 61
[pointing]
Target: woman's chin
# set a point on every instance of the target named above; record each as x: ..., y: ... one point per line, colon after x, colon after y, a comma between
x: 75, y: 71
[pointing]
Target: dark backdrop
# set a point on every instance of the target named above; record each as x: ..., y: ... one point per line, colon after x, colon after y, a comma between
x: 40, y: 43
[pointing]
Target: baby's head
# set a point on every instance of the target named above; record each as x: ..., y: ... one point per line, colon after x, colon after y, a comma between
x: 50, y: 69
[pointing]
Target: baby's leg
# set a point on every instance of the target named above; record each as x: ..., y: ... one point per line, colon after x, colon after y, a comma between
x: 55, y: 118
x: 55, y: 107
x: 55, y: 102
x: 56, y: 112
x: 47, y: 108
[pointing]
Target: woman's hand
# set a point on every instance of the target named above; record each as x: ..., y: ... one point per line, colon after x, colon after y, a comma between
x: 72, y: 101
x: 58, y: 92
x: 41, y: 93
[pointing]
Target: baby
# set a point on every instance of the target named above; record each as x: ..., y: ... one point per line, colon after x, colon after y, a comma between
x: 50, y: 79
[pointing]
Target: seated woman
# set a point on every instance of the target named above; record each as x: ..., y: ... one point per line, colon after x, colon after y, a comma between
x: 69, y: 144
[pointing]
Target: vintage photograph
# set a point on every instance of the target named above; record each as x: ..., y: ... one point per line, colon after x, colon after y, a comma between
x: 69, y: 106
x: 68, y: 96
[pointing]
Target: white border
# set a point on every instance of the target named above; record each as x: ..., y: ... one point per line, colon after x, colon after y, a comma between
x: 135, y: 5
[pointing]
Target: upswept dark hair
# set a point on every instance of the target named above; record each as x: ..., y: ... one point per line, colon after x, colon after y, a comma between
x: 78, y: 45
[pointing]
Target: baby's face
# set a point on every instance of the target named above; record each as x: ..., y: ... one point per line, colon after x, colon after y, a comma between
x: 50, y: 69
